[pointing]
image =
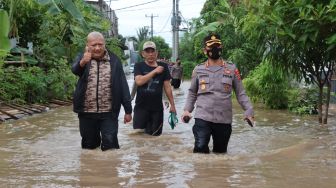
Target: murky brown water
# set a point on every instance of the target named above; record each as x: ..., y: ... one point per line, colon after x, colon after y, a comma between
x: 283, y: 150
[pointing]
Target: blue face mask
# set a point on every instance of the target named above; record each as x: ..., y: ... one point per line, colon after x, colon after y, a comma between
x: 214, y: 53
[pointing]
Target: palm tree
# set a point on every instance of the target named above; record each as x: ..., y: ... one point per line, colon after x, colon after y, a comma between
x: 143, y: 34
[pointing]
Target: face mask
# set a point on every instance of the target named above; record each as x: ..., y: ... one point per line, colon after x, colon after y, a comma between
x: 214, y: 53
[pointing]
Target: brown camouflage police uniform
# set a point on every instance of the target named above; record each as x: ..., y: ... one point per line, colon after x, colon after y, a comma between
x: 211, y: 89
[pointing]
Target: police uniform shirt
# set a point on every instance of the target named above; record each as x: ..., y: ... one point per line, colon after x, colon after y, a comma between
x: 211, y: 90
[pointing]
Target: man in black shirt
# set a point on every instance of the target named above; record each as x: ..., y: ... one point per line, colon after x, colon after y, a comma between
x: 150, y: 77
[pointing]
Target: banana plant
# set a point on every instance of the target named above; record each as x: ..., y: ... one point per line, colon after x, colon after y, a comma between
x: 71, y: 22
x: 71, y: 11
x: 57, y: 6
x: 4, y: 30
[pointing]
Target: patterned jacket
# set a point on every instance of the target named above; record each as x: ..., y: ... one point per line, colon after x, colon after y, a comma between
x: 101, y: 87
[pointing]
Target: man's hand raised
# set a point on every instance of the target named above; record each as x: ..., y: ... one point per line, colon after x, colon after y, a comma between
x: 86, y: 57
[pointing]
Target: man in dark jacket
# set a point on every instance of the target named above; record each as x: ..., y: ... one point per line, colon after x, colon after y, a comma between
x: 101, y: 90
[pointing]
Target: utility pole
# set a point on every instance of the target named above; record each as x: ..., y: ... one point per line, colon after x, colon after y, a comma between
x: 151, y: 24
x: 175, y: 22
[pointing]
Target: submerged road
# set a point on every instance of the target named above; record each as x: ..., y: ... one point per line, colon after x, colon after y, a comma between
x: 283, y: 150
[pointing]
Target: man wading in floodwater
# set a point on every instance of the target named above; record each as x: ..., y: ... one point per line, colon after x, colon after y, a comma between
x: 150, y: 77
x: 211, y: 89
x: 101, y: 90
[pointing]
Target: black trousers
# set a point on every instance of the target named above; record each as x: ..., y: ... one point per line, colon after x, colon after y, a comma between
x: 175, y: 83
x: 99, y: 132
x: 220, y: 133
x: 151, y: 121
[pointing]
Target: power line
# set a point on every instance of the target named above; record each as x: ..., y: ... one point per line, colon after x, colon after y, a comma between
x: 166, y: 21
x: 154, y: 7
x: 137, y: 5
x: 193, y: 3
x: 185, y: 20
x: 161, y: 6
x: 163, y: 32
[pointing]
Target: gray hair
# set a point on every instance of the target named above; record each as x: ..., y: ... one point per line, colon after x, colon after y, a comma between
x: 95, y: 34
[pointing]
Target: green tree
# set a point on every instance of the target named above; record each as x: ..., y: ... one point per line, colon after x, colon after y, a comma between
x: 297, y: 36
x: 116, y: 46
x: 225, y: 18
x: 66, y: 24
x: 303, y: 42
x: 269, y: 85
x: 161, y: 46
x: 142, y: 35
x: 57, y: 38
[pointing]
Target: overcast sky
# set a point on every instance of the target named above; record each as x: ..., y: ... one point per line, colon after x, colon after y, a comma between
x: 133, y: 18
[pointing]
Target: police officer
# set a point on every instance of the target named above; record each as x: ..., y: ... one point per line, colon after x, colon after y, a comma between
x: 211, y: 89
x: 176, y: 74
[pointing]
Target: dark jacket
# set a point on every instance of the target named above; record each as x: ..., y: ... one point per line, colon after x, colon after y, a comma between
x: 119, y: 87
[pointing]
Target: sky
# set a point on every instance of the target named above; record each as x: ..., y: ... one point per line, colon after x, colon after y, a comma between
x: 132, y: 18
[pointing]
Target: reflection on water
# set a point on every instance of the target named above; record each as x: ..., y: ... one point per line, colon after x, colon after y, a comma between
x: 283, y: 150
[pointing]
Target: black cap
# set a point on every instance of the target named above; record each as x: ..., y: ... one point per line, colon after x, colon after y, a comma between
x: 212, y: 39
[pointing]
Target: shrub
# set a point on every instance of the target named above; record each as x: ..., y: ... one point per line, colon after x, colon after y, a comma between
x: 303, y: 100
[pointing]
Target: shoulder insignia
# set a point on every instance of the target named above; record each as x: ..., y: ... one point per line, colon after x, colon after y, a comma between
x: 237, y: 73
x: 230, y: 65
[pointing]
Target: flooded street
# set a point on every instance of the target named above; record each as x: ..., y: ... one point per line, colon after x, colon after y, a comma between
x: 283, y: 150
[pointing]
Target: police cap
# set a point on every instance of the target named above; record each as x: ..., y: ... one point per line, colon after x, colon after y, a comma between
x: 212, y: 39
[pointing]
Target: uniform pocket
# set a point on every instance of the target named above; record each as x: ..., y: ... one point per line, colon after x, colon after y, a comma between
x: 227, y: 85
x: 203, y: 84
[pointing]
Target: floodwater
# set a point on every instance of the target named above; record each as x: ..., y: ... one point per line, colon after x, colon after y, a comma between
x: 283, y: 150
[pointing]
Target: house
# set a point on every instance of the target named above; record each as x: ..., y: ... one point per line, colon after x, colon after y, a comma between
x: 133, y: 56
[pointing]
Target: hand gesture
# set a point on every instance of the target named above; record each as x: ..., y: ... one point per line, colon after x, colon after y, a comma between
x: 86, y: 57
x: 159, y: 69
